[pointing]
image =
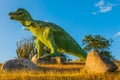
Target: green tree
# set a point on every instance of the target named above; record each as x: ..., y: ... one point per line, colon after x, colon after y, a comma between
x: 26, y: 48
x: 98, y: 43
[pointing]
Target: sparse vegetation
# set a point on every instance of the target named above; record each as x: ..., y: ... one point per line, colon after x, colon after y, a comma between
x: 99, y: 43
x: 26, y: 48
x: 68, y: 71
x: 59, y: 72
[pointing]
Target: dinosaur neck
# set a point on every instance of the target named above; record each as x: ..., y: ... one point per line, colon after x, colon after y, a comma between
x: 26, y: 22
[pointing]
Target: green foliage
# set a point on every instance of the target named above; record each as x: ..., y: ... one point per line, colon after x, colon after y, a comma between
x: 26, y: 48
x: 98, y: 43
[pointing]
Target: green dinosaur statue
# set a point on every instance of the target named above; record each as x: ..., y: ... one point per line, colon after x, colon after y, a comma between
x: 48, y: 34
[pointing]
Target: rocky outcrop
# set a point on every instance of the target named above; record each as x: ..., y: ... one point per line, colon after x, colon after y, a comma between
x: 44, y: 60
x: 51, y: 60
x: 19, y: 64
x: 59, y: 59
x: 98, y: 63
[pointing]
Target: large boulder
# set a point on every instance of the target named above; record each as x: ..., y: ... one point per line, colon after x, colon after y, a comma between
x: 99, y: 64
x: 19, y: 64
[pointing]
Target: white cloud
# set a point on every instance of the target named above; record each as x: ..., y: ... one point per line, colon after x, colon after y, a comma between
x: 104, y: 9
x: 103, y: 6
x: 100, y: 3
x: 117, y: 34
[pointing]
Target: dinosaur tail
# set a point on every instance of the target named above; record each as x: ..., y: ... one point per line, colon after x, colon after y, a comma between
x: 68, y: 45
x: 76, y: 50
x: 79, y: 52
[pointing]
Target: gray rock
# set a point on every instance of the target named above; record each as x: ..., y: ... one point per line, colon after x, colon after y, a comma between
x: 51, y: 60
x: 19, y: 64
x: 59, y: 59
x: 98, y: 63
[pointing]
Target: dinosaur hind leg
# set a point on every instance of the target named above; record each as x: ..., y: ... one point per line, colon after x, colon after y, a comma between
x: 39, y: 46
x: 51, y: 43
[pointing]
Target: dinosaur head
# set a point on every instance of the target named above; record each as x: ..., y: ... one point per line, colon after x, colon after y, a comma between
x: 20, y: 14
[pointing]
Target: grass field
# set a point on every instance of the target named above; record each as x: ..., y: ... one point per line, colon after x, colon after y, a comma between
x: 59, y: 72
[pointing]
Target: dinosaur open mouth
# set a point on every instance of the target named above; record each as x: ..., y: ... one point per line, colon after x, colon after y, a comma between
x: 14, y: 14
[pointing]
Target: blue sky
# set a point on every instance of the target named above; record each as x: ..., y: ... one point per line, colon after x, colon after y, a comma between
x: 77, y: 17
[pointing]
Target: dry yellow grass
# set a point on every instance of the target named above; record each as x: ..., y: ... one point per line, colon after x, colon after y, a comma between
x: 59, y: 72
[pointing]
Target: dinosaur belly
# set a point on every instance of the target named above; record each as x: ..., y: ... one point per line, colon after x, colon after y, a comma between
x: 38, y: 33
